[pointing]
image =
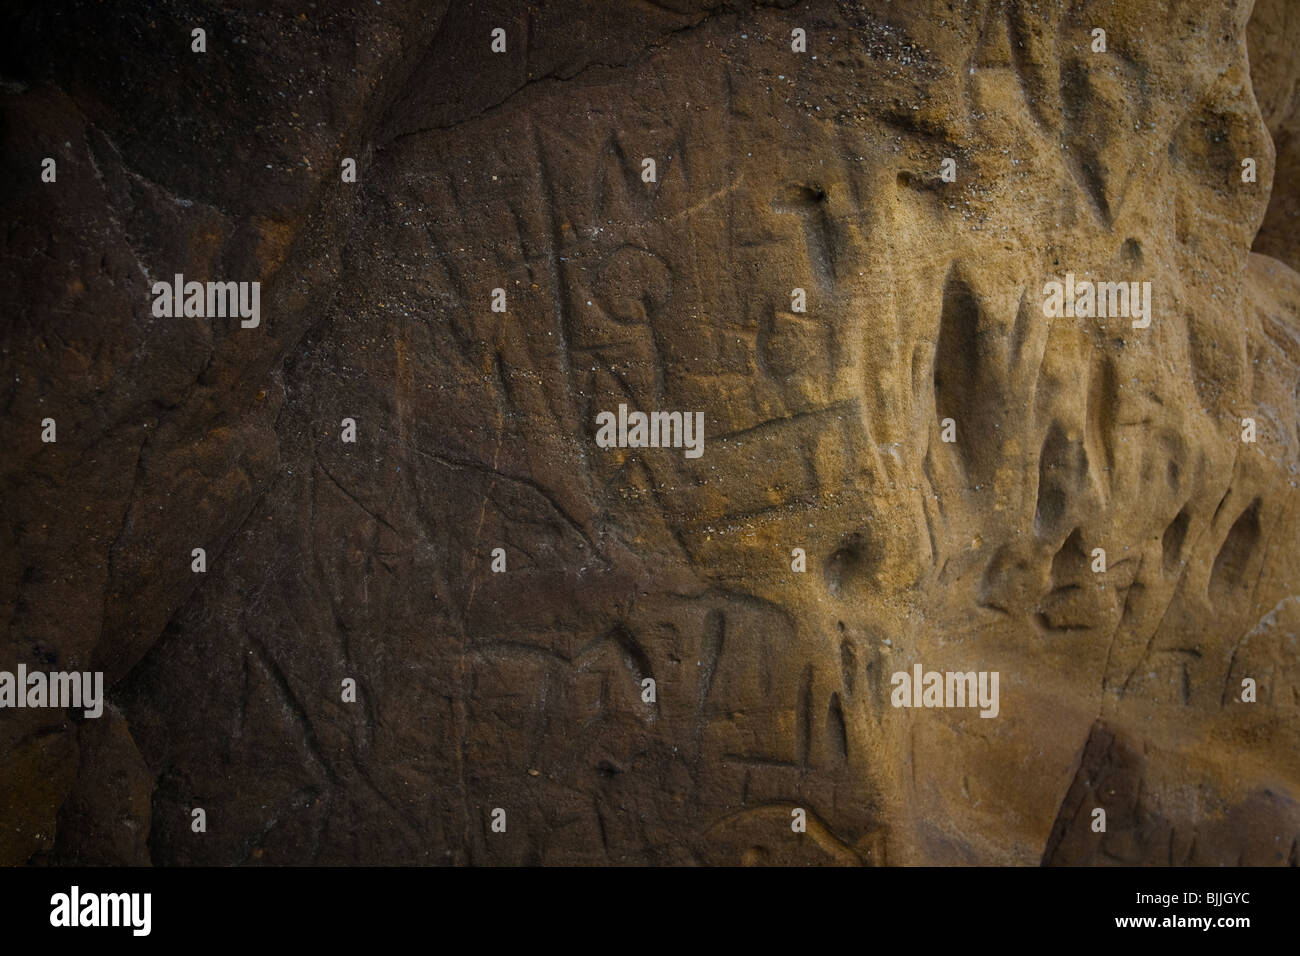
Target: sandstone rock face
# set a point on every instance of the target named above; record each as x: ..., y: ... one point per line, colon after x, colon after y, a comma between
x: 825, y: 430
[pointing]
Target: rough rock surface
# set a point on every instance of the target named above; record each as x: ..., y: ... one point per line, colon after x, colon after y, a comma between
x: 522, y: 690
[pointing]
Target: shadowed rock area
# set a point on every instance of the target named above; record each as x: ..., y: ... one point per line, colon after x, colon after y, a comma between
x: 824, y: 430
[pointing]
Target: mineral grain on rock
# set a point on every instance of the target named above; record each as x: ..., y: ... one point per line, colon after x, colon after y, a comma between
x: 971, y: 485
